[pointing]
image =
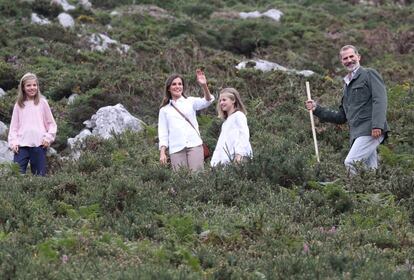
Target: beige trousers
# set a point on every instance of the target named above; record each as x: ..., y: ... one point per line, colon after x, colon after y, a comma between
x: 191, y: 158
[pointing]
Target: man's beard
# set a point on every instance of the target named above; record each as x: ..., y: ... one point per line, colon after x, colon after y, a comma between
x: 352, y: 67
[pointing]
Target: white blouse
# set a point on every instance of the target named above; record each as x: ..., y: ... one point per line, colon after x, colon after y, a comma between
x: 233, y: 139
x: 174, y: 132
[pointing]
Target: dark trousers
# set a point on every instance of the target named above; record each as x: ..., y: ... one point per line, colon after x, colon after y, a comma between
x: 37, y: 158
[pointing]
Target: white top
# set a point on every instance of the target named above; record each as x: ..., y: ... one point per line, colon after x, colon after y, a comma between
x: 233, y: 139
x: 174, y: 132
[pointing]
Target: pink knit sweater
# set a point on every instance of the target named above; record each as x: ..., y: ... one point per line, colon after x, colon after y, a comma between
x: 32, y: 124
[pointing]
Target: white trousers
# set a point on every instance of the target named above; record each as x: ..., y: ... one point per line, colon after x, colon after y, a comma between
x: 364, y: 149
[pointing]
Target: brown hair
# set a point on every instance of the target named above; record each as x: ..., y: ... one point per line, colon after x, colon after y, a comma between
x: 21, y: 94
x: 167, y: 97
x: 234, y: 95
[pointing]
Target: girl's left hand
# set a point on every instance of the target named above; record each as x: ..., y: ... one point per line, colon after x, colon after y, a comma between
x: 45, y: 144
x: 201, y: 78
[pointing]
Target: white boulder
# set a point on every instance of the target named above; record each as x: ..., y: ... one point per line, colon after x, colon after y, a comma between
x: 85, y: 4
x: 64, y: 4
x: 3, y: 129
x: 272, y: 14
x: 6, y: 155
x: 105, y: 123
x: 112, y: 119
x: 66, y: 20
x: 260, y: 64
x: 101, y: 42
x: 77, y: 143
x: 2, y: 92
x: 254, y: 14
x: 265, y: 66
x: 36, y: 19
x: 72, y: 98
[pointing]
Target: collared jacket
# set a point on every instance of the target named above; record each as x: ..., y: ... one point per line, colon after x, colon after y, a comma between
x: 363, y: 105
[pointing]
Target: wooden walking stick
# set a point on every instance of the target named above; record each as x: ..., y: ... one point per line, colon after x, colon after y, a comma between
x: 312, y: 123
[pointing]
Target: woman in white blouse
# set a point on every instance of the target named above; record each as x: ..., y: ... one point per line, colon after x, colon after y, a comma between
x: 175, y: 132
x: 233, y: 143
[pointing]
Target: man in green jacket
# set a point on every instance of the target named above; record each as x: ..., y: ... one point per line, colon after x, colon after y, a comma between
x: 363, y: 106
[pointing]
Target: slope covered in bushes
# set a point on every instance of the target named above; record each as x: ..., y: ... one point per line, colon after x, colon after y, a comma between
x: 116, y: 213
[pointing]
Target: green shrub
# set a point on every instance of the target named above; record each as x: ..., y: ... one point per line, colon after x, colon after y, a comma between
x: 8, y: 76
x: 16, y: 9
x: 199, y: 10
x: 46, y: 9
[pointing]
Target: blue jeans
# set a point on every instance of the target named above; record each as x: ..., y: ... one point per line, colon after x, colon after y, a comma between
x: 35, y: 155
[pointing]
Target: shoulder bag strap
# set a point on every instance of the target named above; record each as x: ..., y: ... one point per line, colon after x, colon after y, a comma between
x: 185, y: 118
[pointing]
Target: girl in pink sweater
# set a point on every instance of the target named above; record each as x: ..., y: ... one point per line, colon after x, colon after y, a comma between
x: 32, y: 127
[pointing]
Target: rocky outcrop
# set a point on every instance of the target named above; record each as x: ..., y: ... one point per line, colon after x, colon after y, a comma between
x: 64, y: 4
x: 265, y: 66
x: 66, y: 20
x: 3, y: 130
x: 72, y: 98
x: 272, y: 14
x: 105, y: 123
x: 6, y: 155
x: 36, y: 19
x: 101, y: 42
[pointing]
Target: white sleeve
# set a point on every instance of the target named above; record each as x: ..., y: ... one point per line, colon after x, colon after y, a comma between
x: 242, y: 144
x: 162, y: 128
x: 200, y: 103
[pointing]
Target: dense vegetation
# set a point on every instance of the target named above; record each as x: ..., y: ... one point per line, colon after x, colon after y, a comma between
x: 116, y: 213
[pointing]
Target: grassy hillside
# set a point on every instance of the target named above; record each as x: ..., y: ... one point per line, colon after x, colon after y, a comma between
x: 117, y: 214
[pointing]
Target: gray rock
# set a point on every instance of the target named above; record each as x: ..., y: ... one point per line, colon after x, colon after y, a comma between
x: 51, y: 152
x: 77, y: 143
x: 101, y: 42
x: 6, y: 155
x: 3, y: 129
x: 272, y: 14
x: 107, y: 121
x: 72, y: 98
x: 260, y: 64
x: 112, y: 119
x: 265, y: 66
x: 36, y: 19
x: 64, y: 4
x: 85, y: 4
x: 204, y: 235
x: 66, y: 20
x: 2, y: 92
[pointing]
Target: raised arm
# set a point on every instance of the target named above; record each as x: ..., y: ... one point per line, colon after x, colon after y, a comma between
x: 202, y: 81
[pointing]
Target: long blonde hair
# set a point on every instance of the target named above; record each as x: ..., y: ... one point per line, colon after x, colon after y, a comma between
x: 21, y: 94
x: 234, y: 95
